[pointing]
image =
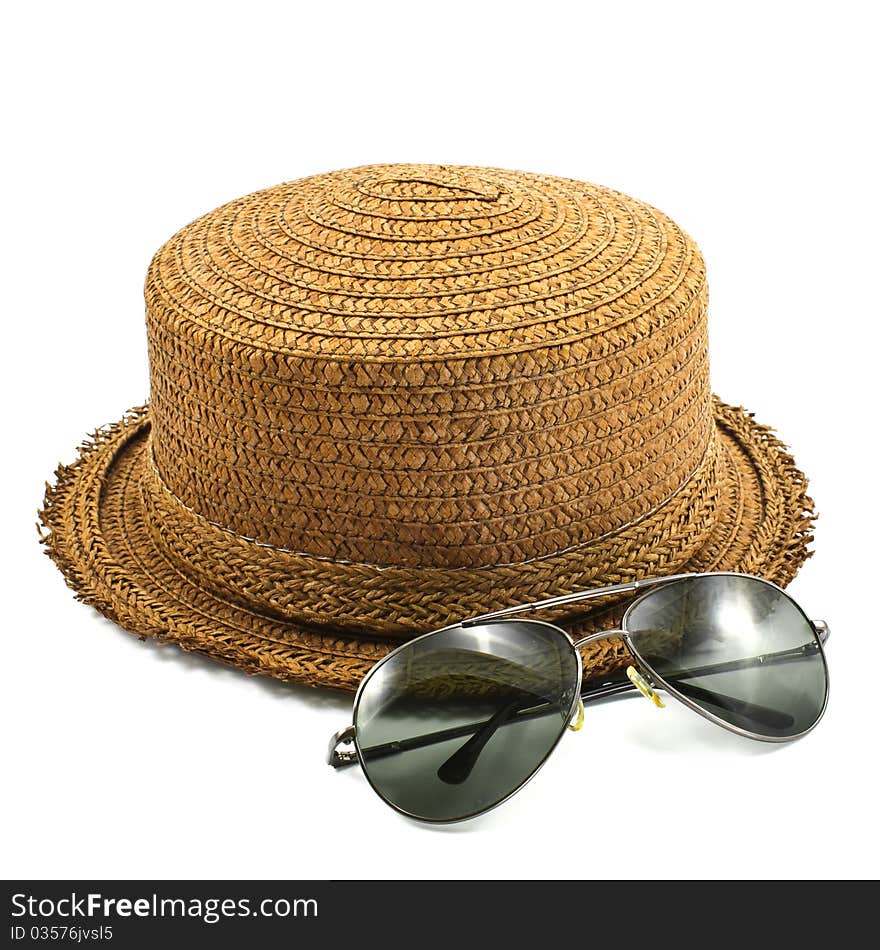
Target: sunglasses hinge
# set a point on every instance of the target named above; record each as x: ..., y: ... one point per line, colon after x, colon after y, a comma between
x: 340, y: 758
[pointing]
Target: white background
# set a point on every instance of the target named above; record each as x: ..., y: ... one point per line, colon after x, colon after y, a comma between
x: 750, y: 124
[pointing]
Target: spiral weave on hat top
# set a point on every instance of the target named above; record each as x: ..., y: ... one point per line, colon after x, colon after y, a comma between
x: 387, y: 398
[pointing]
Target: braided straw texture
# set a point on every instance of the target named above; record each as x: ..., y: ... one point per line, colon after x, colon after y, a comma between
x: 387, y: 398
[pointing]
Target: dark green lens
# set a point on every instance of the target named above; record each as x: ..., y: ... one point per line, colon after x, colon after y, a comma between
x: 454, y: 722
x: 738, y: 648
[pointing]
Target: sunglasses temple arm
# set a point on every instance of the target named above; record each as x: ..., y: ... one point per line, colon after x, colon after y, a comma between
x: 479, y: 733
x: 589, y: 693
x: 765, y: 714
x: 459, y: 765
x: 340, y: 758
x: 731, y: 666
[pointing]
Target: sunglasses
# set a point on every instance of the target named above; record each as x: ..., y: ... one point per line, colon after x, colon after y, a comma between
x: 454, y: 722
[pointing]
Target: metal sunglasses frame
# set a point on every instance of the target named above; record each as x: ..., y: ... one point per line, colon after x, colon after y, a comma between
x: 348, y: 736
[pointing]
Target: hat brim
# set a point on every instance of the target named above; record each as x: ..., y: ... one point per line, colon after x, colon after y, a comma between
x: 94, y: 529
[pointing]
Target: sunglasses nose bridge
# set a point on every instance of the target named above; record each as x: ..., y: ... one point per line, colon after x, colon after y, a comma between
x: 634, y: 676
x: 601, y: 635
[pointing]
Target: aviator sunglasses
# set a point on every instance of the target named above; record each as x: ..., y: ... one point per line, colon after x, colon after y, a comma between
x: 454, y: 722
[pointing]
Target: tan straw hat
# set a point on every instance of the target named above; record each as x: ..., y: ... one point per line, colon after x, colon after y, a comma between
x: 392, y: 397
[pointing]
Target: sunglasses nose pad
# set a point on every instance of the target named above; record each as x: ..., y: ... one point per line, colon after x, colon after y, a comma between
x: 644, y: 687
x: 578, y: 717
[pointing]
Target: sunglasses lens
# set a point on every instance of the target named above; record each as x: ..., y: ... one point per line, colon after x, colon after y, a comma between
x: 455, y: 722
x: 737, y: 647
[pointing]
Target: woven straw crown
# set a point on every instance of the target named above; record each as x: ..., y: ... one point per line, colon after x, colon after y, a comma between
x: 390, y: 397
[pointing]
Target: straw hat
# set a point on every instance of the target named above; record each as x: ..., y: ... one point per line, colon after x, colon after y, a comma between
x: 387, y: 398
